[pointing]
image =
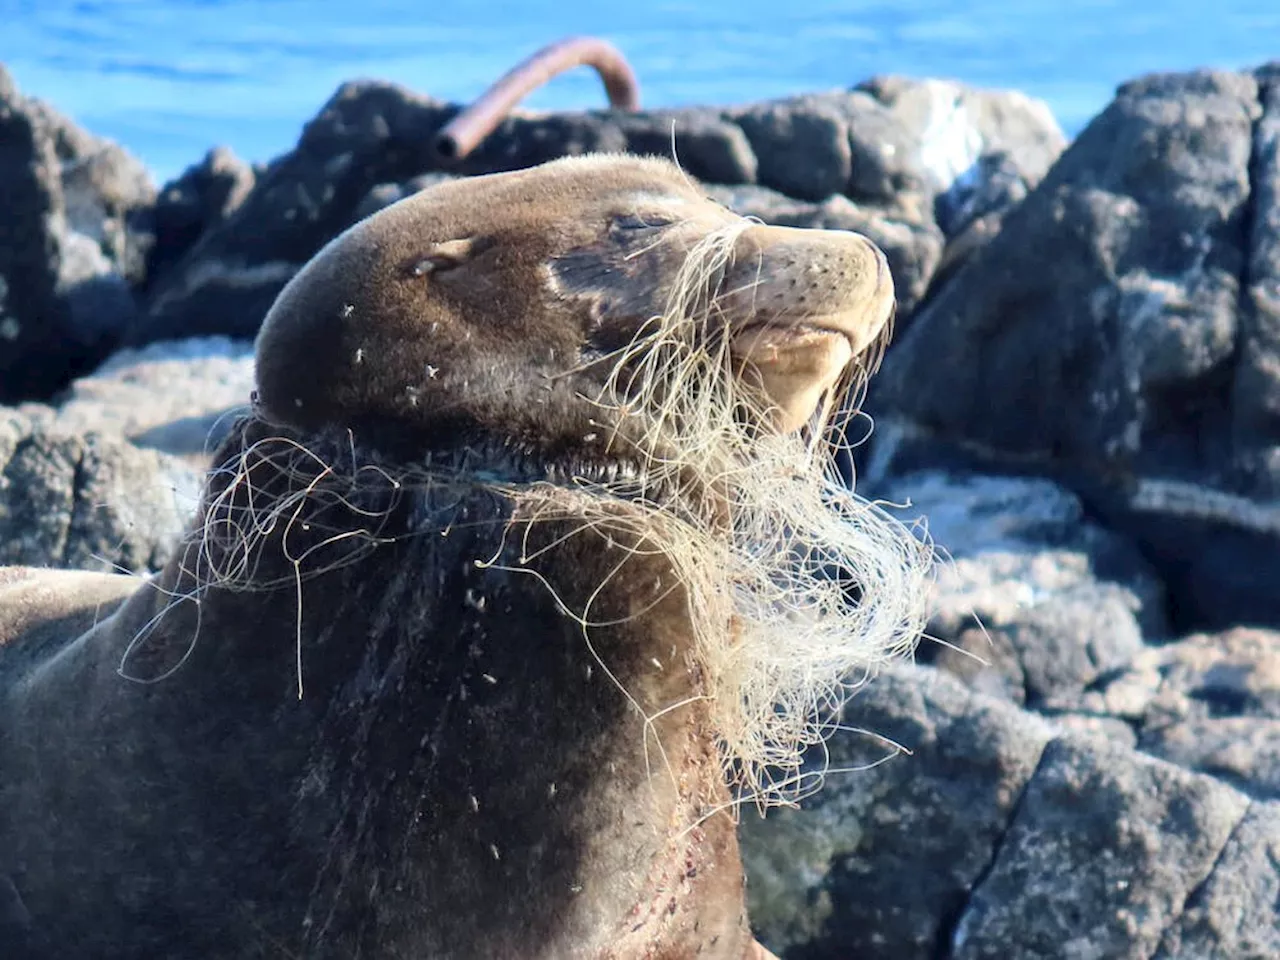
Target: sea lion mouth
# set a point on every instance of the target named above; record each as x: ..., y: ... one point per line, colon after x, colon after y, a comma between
x: 799, y: 362
x: 762, y: 340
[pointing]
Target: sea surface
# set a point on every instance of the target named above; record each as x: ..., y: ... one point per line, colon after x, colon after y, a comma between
x: 171, y: 78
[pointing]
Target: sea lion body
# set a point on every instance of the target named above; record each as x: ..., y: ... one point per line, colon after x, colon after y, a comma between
x: 396, y: 695
x: 412, y: 803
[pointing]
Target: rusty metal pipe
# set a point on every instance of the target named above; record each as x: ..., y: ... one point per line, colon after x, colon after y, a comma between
x: 464, y: 132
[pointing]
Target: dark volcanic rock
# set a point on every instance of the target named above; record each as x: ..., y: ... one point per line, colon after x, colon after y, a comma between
x: 976, y: 152
x: 525, y: 140
x: 1209, y: 702
x: 708, y: 146
x: 1235, y: 913
x: 1242, y: 751
x: 1256, y: 398
x: 367, y: 134
x: 198, y: 201
x: 877, y: 863
x: 1002, y: 835
x: 1101, y: 857
x: 1139, y: 297
x: 385, y: 194
x: 1103, y: 336
x: 67, y: 249
x: 801, y: 144
x: 907, y: 146
x: 96, y: 503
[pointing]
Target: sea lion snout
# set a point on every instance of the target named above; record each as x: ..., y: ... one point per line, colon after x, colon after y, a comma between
x: 833, y: 279
x: 805, y: 304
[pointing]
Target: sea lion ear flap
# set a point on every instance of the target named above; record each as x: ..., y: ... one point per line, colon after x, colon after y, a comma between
x: 446, y: 255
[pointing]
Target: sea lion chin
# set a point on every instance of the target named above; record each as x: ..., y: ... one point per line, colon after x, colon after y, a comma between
x: 532, y: 546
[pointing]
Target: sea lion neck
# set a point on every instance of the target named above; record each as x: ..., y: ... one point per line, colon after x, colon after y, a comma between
x: 589, y: 454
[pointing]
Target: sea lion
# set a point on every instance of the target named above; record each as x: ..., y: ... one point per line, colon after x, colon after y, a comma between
x: 530, y: 547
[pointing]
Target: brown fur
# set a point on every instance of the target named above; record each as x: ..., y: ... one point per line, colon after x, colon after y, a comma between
x: 420, y: 709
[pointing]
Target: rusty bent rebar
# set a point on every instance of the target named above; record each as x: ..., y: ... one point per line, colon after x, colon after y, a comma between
x: 465, y: 131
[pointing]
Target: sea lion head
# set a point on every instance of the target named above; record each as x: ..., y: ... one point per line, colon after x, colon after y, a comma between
x: 543, y: 276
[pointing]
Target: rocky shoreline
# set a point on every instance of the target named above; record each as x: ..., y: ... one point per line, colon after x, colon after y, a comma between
x: 1083, y: 399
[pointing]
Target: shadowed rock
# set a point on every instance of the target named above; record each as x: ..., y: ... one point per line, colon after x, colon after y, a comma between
x: 68, y: 248
x: 1003, y: 835
x: 1033, y: 601
x: 1118, y: 333
x: 93, y: 502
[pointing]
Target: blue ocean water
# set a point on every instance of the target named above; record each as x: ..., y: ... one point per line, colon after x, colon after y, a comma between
x: 170, y: 78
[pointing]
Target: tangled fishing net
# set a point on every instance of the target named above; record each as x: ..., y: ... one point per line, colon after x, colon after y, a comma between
x: 798, y: 589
